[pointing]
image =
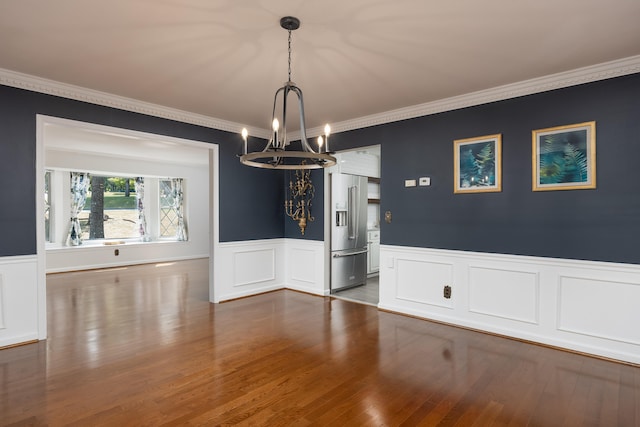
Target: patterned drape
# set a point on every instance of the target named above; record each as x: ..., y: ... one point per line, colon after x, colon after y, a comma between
x: 79, y: 187
x: 178, y: 205
x: 142, y: 219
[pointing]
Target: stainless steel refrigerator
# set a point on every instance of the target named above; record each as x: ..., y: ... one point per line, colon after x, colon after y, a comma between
x: 348, y: 231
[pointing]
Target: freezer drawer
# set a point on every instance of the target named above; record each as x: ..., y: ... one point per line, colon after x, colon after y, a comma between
x: 348, y: 269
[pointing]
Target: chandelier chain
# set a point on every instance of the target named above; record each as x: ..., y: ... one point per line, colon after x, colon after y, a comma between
x: 289, y: 55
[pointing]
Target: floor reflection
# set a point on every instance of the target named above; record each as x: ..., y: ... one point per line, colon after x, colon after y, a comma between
x: 145, y: 346
x: 91, y: 311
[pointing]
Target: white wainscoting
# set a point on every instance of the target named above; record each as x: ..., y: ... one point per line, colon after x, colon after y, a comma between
x: 247, y: 268
x: 591, y: 307
x: 504, y: 293
x: 600, y: 308
x: 255, y: 266
x: 251, y: 266
x: 304, y: 266
x: 422, y: 282
x: 2, y: 304
x: 18, y: 300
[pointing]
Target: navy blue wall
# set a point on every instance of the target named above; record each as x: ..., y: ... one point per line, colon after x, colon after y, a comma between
x: 250, y: 199
x: 601, y: 224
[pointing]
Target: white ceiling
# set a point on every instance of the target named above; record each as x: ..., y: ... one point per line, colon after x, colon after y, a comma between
x: 225, y: 59
x: 76, y: 137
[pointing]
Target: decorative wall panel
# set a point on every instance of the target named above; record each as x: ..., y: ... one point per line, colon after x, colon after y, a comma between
x: 302, y: 262
x: 423, y: 282
x: 504, y: 293
x: 600, y: 308
x: 304, y: 266
x: 1, y: 303
x: 18, y: 300
x: 254, y: 266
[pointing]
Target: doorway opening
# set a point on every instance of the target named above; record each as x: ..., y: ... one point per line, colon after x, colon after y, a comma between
x: 354, y: 225
x: 64, y: 146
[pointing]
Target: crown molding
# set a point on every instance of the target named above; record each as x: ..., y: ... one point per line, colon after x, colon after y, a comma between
x: 617, y: 68
x: 51, y: 87
x: 593, y: 73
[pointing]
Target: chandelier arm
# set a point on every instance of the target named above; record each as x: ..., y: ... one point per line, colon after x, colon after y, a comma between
x: 287, y: 88
x: 273, y: 143
x: 303, y: 127
x: 275, y: 101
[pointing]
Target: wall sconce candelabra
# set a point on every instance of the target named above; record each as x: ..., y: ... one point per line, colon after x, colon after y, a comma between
x: 297, y: 204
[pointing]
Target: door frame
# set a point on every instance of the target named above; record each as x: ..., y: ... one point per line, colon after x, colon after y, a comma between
x: 213, y: 189
x: 327, y: 209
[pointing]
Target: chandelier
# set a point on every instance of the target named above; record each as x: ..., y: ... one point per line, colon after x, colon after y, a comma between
x: 275, y: 154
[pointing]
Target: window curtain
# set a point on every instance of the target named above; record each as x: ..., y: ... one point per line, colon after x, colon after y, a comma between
x: 142, y: 219
x: 178, y: 205
x: 79, y: 187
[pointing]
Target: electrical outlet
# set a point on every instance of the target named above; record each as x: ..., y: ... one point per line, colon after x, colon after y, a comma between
x: 447, y: 291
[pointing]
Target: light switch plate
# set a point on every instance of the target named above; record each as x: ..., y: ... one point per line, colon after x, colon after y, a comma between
x: 409, y: 182
x: 424, y: 181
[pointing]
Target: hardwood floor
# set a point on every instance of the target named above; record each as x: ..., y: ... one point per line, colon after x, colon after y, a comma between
x: 143, y: 346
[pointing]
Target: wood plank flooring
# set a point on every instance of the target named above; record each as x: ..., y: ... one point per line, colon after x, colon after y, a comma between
x: 142, y: 346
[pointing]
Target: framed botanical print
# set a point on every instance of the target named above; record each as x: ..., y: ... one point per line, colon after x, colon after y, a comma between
x: 564, y: 157
x: 477, y: 164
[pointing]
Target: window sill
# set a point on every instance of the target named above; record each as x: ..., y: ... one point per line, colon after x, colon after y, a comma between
x: 108, y: 244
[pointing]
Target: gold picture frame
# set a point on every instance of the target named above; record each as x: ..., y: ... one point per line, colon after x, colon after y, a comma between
x: 564, y: 157
x: 477, y: 164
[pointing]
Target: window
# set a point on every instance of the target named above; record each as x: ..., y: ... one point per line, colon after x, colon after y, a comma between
x: 47, y: 206
x: 108, y: 207
x: 110, y: 210
x: 168, y: 211
x: 172, y: 223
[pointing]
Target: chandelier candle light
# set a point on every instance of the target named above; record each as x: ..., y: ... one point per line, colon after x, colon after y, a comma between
x: 275, y: 154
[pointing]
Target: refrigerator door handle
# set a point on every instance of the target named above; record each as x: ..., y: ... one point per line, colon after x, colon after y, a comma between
x: 352, y: 214
x: 356, y: 203
x: 350, y: 254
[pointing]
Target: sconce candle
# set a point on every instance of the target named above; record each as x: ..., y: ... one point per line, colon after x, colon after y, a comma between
x: 327, y: 131
x: 276, y: 126
x: 245, y: 134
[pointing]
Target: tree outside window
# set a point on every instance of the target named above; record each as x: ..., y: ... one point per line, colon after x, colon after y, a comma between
x: 110, y: 209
